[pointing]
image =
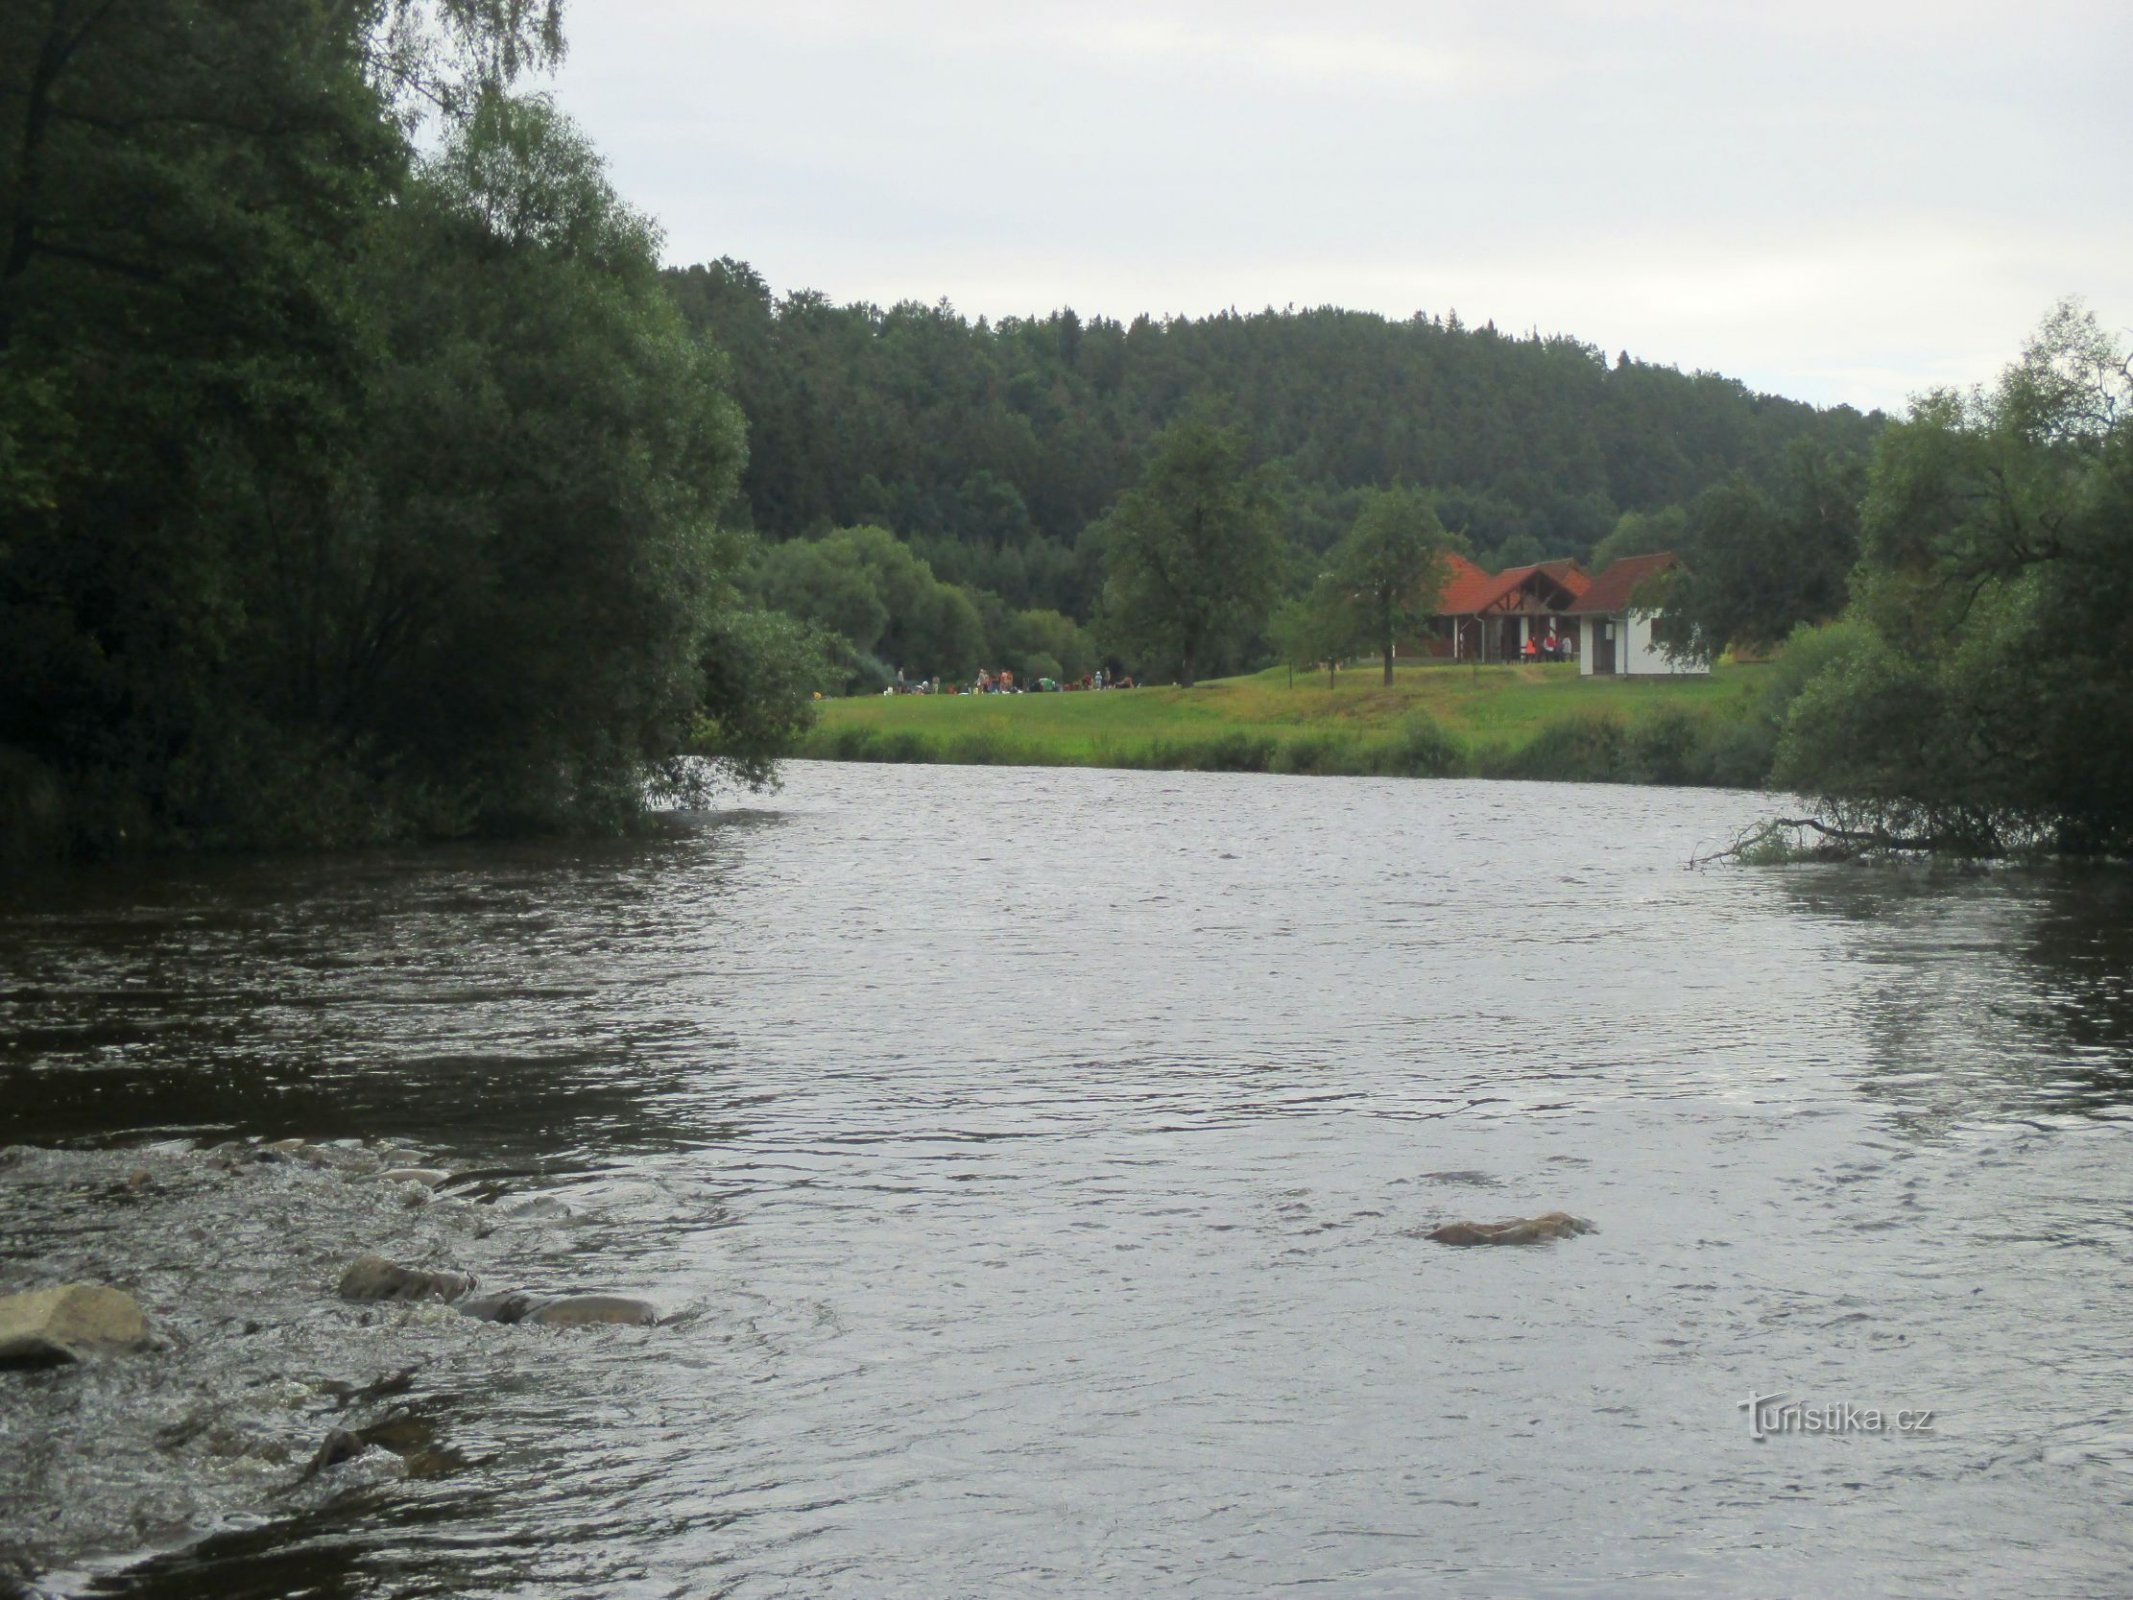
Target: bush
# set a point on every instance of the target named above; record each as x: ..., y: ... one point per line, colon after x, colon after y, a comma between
x: 1234, y: 752
x: 1421, y: 749
x: 1666, y: 747
x: 1584, y: 749
x: 1313, y: 753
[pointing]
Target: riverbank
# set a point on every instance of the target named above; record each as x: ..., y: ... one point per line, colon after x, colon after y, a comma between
x: 1540, y: 721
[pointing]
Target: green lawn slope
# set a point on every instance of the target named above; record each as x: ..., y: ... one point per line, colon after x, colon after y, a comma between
x: 1540, y: 721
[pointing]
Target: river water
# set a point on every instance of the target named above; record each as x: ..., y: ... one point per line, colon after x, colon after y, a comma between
x: 1035, y: 1167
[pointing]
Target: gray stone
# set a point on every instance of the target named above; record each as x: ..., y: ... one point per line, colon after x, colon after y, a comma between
x: 76, y: 1317
x: 498, y: 1307
x: 1520, y: 1230
x: 593, y: 1311
x: 375, y: 1278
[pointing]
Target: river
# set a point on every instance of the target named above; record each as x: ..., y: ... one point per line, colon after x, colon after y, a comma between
x: 1034, y: 1169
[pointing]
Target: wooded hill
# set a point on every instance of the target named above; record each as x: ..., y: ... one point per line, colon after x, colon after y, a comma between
x: 990, y: 447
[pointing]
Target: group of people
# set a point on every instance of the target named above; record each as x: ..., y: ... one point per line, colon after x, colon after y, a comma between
x: 1003, y: 682
x: 1555, y: 647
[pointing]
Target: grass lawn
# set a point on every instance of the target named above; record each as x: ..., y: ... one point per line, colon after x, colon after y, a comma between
x: 1433, y: 720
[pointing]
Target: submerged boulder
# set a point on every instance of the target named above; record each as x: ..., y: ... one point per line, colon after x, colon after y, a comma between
x: 498, y: 1307
x: 593, y: 1311
x: 71, y: 1318
x: 1520, y: 1230
x: 375, y: 1278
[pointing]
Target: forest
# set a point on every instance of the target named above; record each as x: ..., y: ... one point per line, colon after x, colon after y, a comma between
x: 992, y: 450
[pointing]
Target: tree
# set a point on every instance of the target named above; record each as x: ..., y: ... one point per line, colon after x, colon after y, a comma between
x: 870, y: 589
x: 1313, y: 629
x: 1985, y: 679
x: 951, y: 431
x: 1759, y: 564
x: 762, y: 671
x: 1389, y: 569
x: 1642, y: 533
x: 347, y: 492
x: 1192, y: 550
x: 537, y: 555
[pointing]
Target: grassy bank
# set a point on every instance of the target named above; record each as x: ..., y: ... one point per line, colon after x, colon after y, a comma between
x: 1435, y: 721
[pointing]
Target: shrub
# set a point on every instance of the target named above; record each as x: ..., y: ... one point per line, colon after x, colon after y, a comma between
x: 1582, y: 749
x: 1421, y: 749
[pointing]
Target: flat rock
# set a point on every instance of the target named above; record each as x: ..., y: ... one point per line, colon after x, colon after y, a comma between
x: 75, y: 1316
x: 375, y: 1278
x: 593, y: 1311
x: 1520, y: 1230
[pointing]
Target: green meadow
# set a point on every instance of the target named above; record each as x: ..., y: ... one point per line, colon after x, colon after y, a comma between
x: 1541, y: 721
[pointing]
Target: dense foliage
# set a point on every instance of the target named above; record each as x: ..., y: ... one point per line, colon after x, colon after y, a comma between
x: 1979, y: 695
x: 884, y: 617
x: 1758, y: 562
x: 1015, y: 436
x: 346, y: 491
x: 1192, y: 552
x: 1384, y: 576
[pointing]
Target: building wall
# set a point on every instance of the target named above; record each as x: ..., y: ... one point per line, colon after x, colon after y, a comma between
x: 1636, y: 653
x: 1643, y: 657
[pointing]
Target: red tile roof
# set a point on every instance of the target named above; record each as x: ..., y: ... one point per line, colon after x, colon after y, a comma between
x: 1468, y: 590
x: 1610, y: 592
x: 1466, y: 587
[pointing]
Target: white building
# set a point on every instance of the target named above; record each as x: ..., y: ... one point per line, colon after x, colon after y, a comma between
x: 1615, y: 624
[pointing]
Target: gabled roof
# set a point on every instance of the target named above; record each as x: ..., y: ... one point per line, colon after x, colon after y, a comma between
x: 1567, y: 576
x: 1609, y: 593
x: 1468, y: 590
x: 1466, y: 587
x: 1567, y: 573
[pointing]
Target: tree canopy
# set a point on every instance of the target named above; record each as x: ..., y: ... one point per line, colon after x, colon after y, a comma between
x: 1192, y: 551
x: 994, y: 445
x: 350, y: 488
x: 1387, y: 572
x: 1978, y: 696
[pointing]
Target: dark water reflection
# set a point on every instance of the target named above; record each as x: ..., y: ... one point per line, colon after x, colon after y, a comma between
x: 520, y: 1001
x: 1988, y: 994
x: 1039, y: 1163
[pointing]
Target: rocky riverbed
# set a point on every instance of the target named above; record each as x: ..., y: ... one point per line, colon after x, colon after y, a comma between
x: 262, y: 1391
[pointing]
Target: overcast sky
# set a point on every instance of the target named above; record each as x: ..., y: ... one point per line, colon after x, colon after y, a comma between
x: 1838, y: 201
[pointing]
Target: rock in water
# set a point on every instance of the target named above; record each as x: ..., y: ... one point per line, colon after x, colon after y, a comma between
x: 339, y: 1445
x: 375, y: 1278
x: 428, y: 1177
x: 75, y: 1316
x: 1522, y: 1230
x: 498, y: 1307
x: 593, y: 1311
